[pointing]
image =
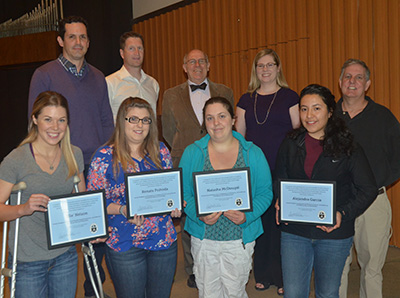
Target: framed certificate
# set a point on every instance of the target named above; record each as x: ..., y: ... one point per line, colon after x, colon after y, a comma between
x: 222, y: 190
x: 76, y: 218
x: 153, y: 193
x: 308, y: 202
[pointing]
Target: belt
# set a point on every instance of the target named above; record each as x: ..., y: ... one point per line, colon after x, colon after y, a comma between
x: 381, y: 190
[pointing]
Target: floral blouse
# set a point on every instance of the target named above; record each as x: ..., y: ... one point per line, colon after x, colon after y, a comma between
x: 157, y: 232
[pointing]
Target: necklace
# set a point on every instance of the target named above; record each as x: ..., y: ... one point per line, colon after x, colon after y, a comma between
x: 269, y: 109
x: 50, y: 164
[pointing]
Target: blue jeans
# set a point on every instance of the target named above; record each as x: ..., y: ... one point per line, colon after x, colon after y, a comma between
x: 55, y: 278
x: 140, y: 273
x: 300, y: 255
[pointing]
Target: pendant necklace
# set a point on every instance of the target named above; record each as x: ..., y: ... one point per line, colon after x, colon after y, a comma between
x: 52, y: 163
x: 269, y: 109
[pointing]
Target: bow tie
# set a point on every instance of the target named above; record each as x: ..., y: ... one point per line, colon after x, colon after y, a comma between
x: 201, y: 86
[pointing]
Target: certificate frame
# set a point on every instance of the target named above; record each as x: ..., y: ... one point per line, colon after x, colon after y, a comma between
x: 309, y: 202
x: 169, y: 187
x: 76, y: 218
x: 244, y: 202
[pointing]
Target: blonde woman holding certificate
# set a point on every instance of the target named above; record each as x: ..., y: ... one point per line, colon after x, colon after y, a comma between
x: 47, y: 162
x: 223, y: 242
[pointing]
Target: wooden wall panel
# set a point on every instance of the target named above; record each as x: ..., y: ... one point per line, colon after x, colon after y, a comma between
x: 381, y: 58
x: 250, y: 28
x: 42, y: 47
x: 280, y: 21
x: 290, y: 20
x: 303, y: 75
x: 299, y: 77
x: 325, y: 42
x: 242, y: 33
x: 172, y: 44
x: 270, y: 19
x: 313, y: 32
x: 338, y: 42
x: 301, y: 17
x: 228, y: 28
x: 264, y: 20
x: 394, y: 96
x: 365, y: 25
x: 350, y: 32
x: 289, y: 64
x: 394, y: 54
x: 234, y: 62
x: 215, y: 23
x: 204, y: 36
x: 246, y: 60
x: 312, y: 37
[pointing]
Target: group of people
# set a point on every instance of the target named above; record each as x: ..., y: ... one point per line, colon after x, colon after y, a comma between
x: 81, y: 123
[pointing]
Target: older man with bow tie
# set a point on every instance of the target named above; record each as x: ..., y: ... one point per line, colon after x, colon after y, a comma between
x: 182, y: 119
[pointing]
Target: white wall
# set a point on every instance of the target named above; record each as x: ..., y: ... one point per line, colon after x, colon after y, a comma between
x: 142, y: 7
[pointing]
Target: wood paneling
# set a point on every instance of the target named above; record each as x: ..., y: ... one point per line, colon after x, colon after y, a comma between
x: 312, y: 37
x: 42, y: 47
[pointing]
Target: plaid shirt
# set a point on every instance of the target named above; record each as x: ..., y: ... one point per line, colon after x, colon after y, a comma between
x: 69, y: 66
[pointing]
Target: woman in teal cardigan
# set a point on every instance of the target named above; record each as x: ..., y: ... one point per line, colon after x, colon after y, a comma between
x: 223, y: 242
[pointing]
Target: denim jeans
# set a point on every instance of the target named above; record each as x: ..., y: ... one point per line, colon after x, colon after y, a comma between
x: 55, y: 278
x: 300, y: 255
x: 139, y: 273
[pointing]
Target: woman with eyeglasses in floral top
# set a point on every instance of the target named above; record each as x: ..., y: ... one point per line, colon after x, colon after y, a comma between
x: 141, y: 252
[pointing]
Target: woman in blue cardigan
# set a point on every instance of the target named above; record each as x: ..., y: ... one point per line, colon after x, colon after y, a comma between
x: 223, y: 242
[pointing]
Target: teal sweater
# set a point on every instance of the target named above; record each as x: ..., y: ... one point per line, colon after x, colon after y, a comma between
x: 261, y: 186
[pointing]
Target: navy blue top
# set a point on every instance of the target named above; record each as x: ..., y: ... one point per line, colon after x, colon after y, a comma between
x: 268, y: 136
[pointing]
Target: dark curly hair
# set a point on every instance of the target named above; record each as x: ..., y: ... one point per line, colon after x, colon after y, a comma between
x: 338, y: 139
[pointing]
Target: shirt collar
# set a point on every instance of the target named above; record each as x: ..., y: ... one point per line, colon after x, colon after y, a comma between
x: 191, y: 83
x: 69, y: 66
x: 125, y: 75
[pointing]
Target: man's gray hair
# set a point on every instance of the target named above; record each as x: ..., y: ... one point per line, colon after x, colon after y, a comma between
x: 355, y: 61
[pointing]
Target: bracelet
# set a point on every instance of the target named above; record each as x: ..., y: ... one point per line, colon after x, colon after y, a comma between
x: 121, y: 210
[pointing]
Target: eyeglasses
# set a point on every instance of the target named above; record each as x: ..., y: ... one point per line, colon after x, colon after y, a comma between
x: 358, y: 77
x: 268, y: 65
x: 136, y: 120
x: 200, y: 61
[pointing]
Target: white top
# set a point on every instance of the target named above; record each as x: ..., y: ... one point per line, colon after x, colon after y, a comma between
x: 198, y: 98
x: 122, y: 85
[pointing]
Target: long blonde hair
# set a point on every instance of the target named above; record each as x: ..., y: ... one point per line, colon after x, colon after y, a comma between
x: 150, y: 145
x: 45, y: 99
x: 255, y: 82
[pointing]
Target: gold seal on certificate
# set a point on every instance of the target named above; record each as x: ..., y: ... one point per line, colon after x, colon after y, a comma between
x: 308, y: 202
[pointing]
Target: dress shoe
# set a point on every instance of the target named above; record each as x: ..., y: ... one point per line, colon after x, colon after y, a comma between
x: 191, y: 282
